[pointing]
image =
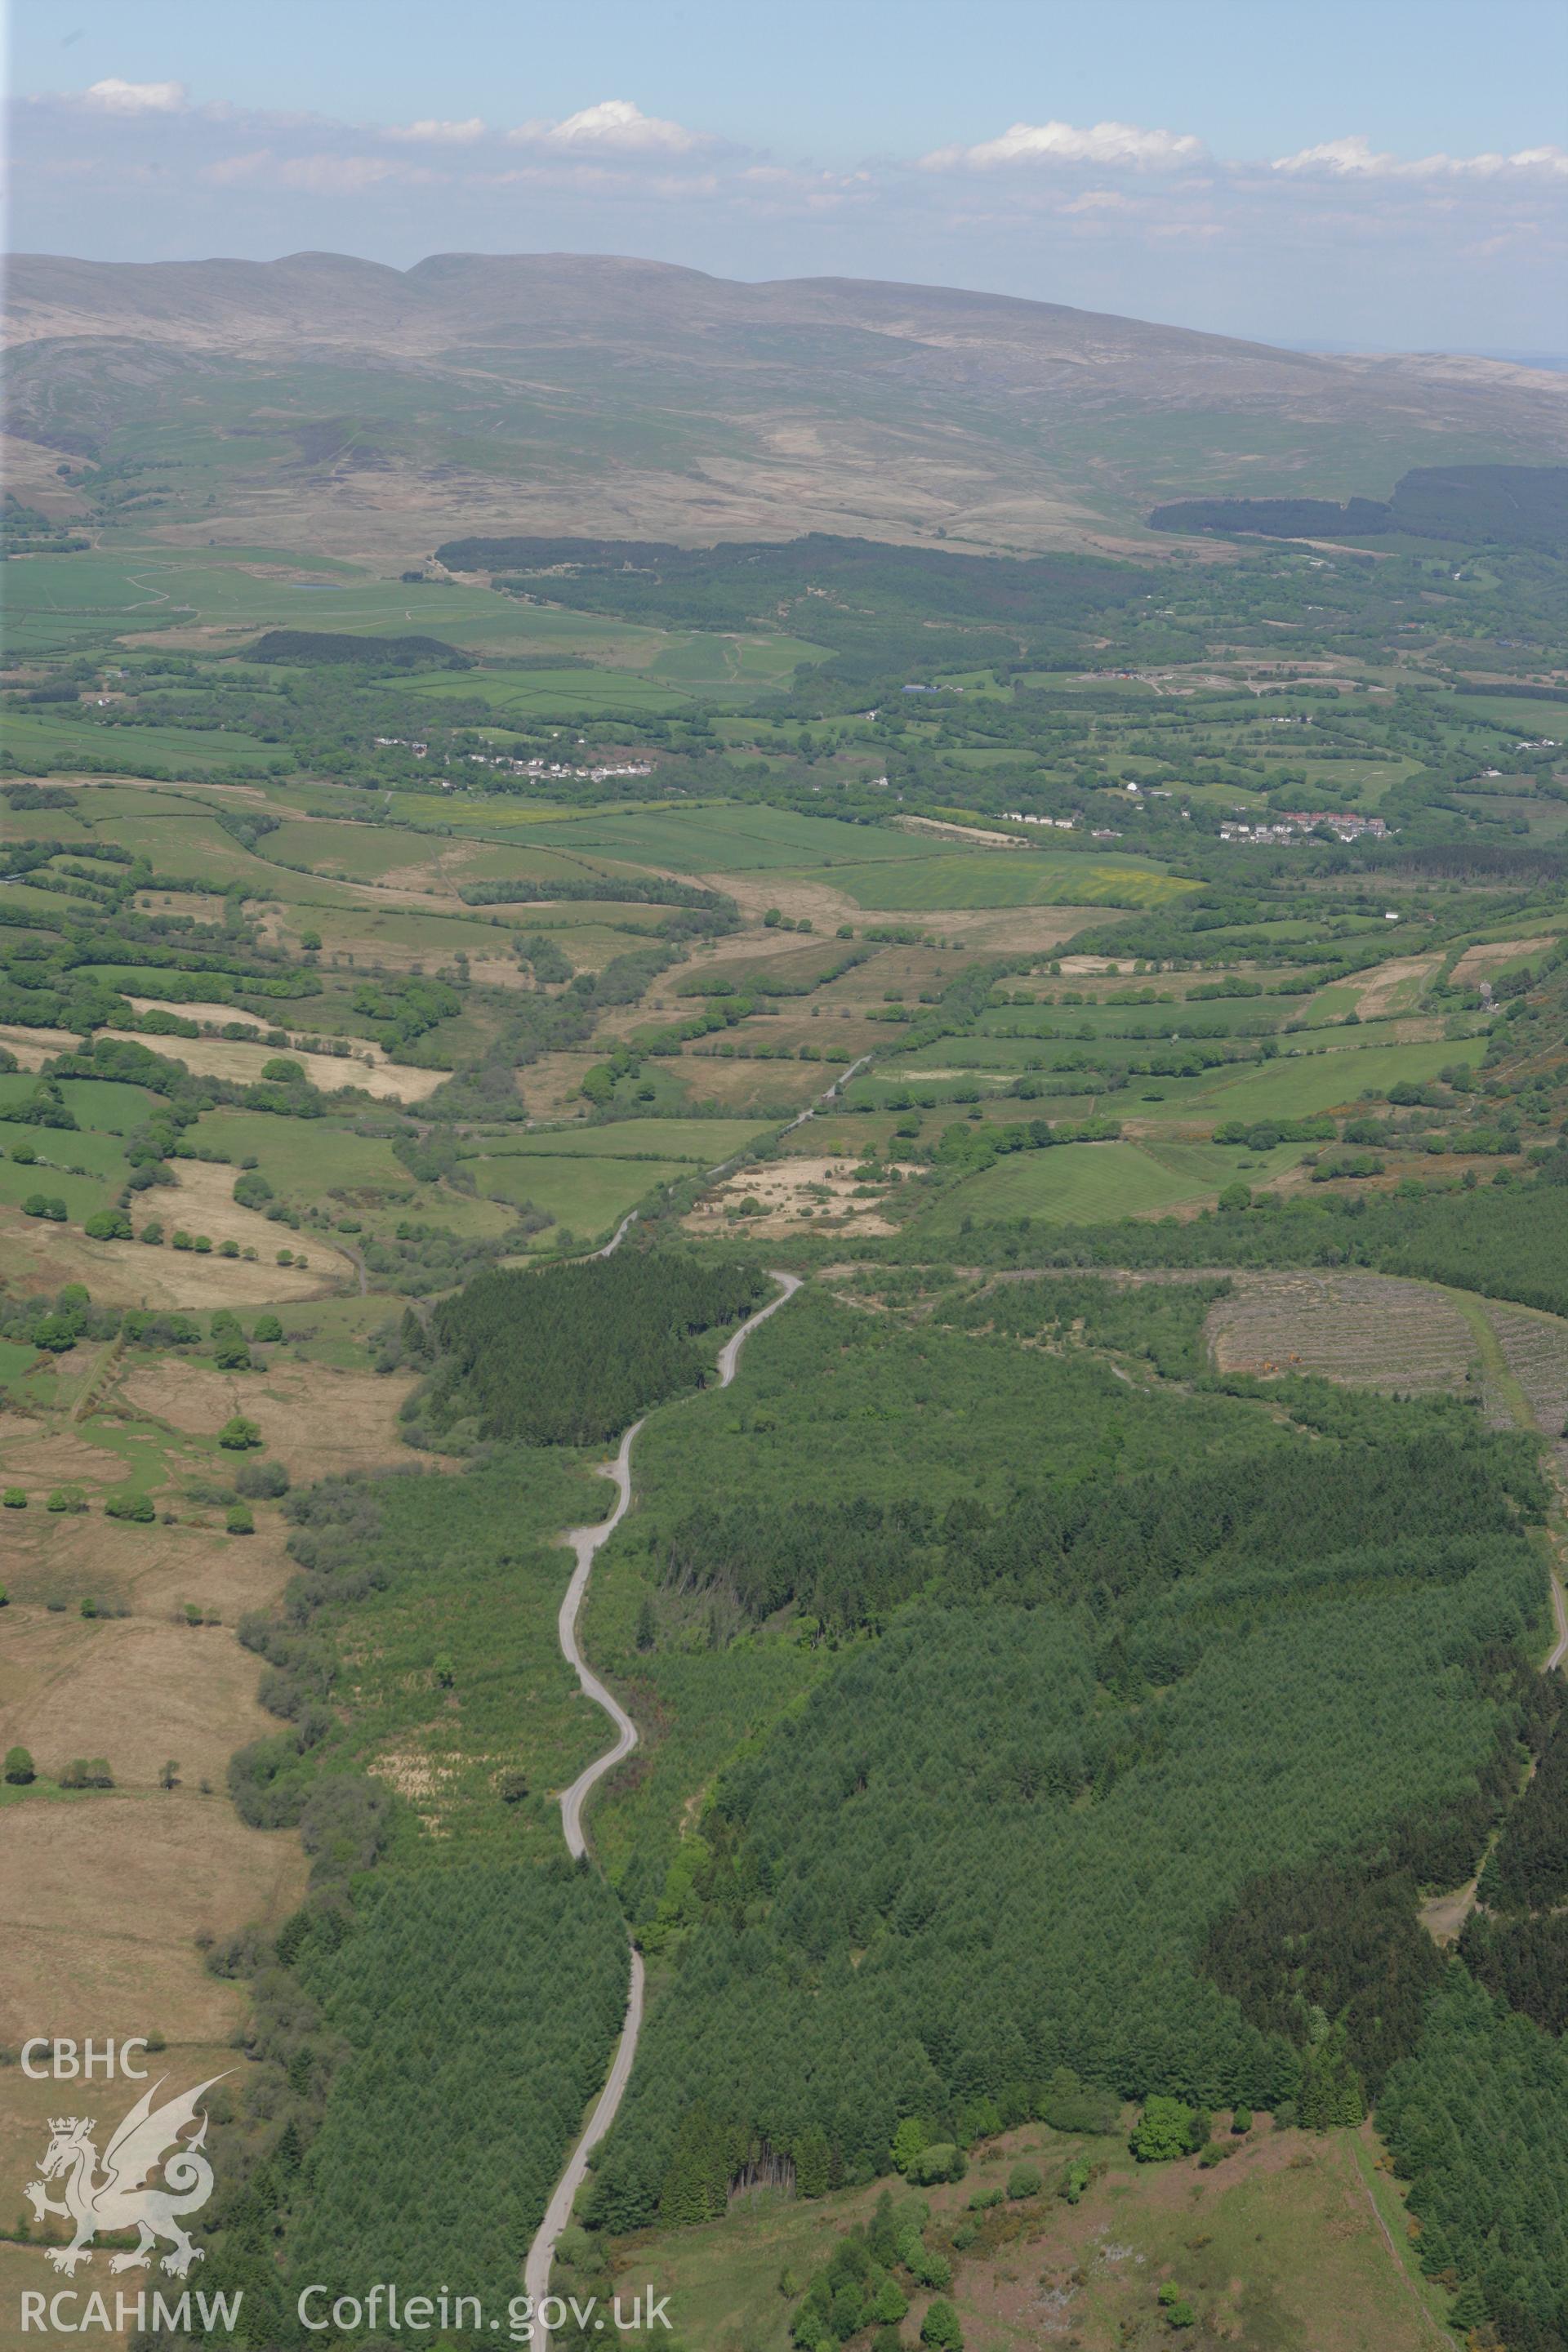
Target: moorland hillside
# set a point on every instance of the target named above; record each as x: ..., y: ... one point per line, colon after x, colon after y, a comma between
x: 542, y: 392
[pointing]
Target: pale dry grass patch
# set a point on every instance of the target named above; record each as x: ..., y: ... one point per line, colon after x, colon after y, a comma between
x: 1037, y: 929
x: 40, y: 1256
x: 203, y: 1202
x: 202, y: 906
x: 38, y: 1455
x: 103, y: 1896
x: 34, y: 1047
x: 216, y: 1013
x: 1397, y: 986
x: 794, y: 1195
x: 154, y: 1570
x: 1478, y: 961
x: 765, y: 1089
x: 552, y: 1085
x: 313, y: 1417
x: 137, y: 1690
x: 423, y: 1777
x: 232, y: 1057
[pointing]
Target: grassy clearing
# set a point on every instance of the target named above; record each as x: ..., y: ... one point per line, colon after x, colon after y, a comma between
x: 476, y: 1574
x: 1278, y: 2249
x: 1331, y: 1003
x: 369, y: 853
x: 41, y: 825
x: 192, y: 847
x: 1106, y: 1017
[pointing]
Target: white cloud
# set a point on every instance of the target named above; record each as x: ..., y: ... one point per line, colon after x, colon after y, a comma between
x: 614, y: 123
x: 333, y: 175
x: 1101, y: 143
x: 1356, y: 158
x: 114, y: 97
x: 314, y: 175
x: 234, y: 171
x: 438, y: 134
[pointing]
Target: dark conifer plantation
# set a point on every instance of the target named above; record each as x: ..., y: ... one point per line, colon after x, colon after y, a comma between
x: 572, y: 1354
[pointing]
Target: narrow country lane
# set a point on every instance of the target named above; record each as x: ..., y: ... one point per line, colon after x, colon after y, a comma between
x: 585, y: 1543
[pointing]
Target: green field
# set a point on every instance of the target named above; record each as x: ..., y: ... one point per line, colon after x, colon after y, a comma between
x: 302, y: 1158
x: 368, y: 932
x: 55, y: 601
x: 83, y: 1195
x: 585, y: 1197
x: 557, y: 693
x: 1331, y: 1003
x: 1300, y: 1085
x: 721, y: 837
x: 14, y: 1358
x: 106, y: 1104
x: 705, y: 1141
x: 975, y: 878
x: 41, y: 825
x: 365, y: 853
x: 100, y: 804
x: 58, y: 601
x: 1091, y: 1183
x: 37, y: 735
x: 706, y: 665
x: 1109, y: 1019
x: 99, y: 1154
x: 193, y: 848
x: 709, y: 664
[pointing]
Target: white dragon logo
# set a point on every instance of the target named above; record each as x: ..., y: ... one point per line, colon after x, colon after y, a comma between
x: 121, y: 2201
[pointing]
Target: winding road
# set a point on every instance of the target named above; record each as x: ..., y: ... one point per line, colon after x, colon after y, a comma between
x: 585, y: 1543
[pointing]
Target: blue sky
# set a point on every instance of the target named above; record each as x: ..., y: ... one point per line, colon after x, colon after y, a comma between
x: 1387, y: 172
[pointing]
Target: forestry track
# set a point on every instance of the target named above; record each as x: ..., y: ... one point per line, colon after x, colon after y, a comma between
x: 585, y: 1542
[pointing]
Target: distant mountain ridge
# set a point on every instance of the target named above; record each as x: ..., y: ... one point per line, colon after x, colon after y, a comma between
x: 336, y: 299
x: 618, y: 397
